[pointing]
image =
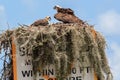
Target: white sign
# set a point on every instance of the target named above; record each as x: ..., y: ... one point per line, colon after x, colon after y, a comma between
x: 24, y: 71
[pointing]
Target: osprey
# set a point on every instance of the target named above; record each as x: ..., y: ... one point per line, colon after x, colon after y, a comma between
x: 66, y: 15
x: 63, y: 10
x: 42, y: 22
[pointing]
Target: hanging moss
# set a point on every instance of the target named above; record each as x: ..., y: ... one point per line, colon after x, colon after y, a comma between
x: 61, y: 45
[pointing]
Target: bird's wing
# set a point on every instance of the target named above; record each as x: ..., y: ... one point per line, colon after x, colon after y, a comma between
x: 40, y: 22
x: 67, y: 18
x: 70, y: 11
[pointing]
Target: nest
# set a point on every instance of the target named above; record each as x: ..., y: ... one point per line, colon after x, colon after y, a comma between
x: 60, y: 44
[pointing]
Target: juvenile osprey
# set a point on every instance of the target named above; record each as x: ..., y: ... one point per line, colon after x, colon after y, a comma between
x: 66, y: 15
x: 42, y: 22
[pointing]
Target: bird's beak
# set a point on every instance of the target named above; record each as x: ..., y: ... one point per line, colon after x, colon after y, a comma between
x: 54, y: 7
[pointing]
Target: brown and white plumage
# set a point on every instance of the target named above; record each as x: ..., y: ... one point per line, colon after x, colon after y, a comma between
x: 42, y: 22
x: 63, y: 10
x: 66, y: 15
x: 65, y: 18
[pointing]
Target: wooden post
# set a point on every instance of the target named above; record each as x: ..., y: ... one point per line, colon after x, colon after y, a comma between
x: 14, y: 59
x: 95, y: 76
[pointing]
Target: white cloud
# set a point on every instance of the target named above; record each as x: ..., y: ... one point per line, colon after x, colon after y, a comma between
x: 1, y: 8
x: 3, y: 21
x: 114, y: 59
x: 2, y: 11
x: 29, y: 3
x: 109, y: 23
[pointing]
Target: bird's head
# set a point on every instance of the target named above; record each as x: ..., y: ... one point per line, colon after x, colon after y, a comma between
x: 48, y: 18
x: 57, y: 7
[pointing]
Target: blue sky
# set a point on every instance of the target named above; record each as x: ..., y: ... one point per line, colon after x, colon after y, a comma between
x: 104, y: 14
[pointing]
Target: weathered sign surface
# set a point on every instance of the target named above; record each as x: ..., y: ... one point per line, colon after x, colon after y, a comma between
x: 22, y: 69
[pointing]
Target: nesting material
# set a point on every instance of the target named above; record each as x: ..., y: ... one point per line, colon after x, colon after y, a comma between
x: 61, y: 44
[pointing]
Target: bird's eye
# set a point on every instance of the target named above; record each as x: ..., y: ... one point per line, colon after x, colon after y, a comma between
x: 49, y: 18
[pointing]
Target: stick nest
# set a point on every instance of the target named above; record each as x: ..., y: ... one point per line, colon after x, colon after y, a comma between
x: 60, y: 44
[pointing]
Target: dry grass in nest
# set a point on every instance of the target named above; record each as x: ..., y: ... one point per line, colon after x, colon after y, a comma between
x: 60, y: 44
